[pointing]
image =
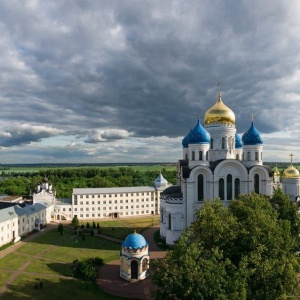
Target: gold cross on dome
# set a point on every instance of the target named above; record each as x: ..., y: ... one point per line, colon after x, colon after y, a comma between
x: 291, y: 155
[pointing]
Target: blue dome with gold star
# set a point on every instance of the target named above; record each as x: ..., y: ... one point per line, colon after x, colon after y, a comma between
x: 252, y: 136
x: 134, y: 241
x: 238, y: 142
x: 198, y: 135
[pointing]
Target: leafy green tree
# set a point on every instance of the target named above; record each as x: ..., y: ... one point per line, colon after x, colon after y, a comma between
x: 75, y: 221
x: 87, y: 225
x: 244, y: 251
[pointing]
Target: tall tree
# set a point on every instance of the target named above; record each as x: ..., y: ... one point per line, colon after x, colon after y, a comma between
x: 244, y: 251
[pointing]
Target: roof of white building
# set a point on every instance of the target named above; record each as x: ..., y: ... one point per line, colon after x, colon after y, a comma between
x: 7, y: 214
x: 116, y: 190
x: 29, y: 209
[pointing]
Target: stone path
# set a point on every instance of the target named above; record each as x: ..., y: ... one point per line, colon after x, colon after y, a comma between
x: 109, y: 279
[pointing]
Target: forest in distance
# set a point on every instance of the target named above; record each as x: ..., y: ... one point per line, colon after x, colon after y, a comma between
x: 21, y: 180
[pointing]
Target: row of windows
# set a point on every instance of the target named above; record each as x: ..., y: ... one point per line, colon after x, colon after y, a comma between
x: 112, y: 195
x: 111, y: 208
x: 228, y: 188
x: 110, y: 201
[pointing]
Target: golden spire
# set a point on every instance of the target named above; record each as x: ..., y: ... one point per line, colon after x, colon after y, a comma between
x: 134, y: 232
x: 291, y: 155
x: 219, y: 92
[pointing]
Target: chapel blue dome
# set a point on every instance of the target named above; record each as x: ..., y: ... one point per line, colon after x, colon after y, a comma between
x: 198, y: 135
x: 238, y: 142
x: 252, y: 136
x: 134, y: 241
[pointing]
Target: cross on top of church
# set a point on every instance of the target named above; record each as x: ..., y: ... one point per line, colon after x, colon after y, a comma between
x: 291, y: 155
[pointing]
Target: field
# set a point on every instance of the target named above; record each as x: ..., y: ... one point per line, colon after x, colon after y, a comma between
x: 9, y: 169
x: 49, y: 257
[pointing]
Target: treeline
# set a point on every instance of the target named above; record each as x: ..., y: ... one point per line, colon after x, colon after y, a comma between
x: 64, y: 180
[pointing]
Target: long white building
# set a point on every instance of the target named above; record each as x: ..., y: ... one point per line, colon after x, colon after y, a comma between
x: 97, y: 203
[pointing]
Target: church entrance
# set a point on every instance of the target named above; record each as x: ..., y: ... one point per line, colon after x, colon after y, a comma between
x: 134, y: 269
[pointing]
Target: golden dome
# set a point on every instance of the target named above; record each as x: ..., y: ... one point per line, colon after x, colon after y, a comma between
x: 219, y: 113
x: 291, y: 172
x: 276, y: 172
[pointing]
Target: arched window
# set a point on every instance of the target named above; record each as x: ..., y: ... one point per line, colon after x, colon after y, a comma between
x: 256, y: 156
x: 243, y: 155
x: 229, y: 187
x: 261, y: 156
x: 186, y: 156
x: 256, y: 183
x: 162, y: 215
x: 237, y: 157
x: 248, y: 155
x: 221, y: 188
x: 223, y: 143
x: 206, y: 155
x: 200, y: 187
x: 236, y: 187
x: 169, y: 222
x: 193, y: 155
x: 211, y: 143
x: 200, y: 155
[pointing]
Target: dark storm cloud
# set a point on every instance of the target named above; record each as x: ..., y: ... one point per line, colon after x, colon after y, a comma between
x: 115, y: 70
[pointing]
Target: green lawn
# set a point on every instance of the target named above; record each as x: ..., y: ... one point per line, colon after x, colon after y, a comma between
x: 13, y: 261
x: 121, y: 228
x: 55, y: 263
x: 54, y: 288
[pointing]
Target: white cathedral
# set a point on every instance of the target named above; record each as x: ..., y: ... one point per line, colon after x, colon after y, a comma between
x: 217, y: 163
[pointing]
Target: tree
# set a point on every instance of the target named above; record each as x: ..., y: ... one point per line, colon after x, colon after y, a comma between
x: 94, y: 225
x: 87, y: 225
x: 60, y: 228
x: 75, y: 221
x: 244, y: 251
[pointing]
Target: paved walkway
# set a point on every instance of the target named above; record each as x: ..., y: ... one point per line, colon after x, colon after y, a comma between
x: 109, y: 279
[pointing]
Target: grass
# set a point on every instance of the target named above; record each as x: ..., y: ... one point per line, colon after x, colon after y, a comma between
x: 121, y: 228
x: 54, y: 265
x: 13, y: 261
x: 54, y: 288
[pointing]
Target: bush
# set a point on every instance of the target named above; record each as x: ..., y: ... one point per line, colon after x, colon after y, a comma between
x: 82, y: 226
x: 92, y: 232
x: 87, y: 269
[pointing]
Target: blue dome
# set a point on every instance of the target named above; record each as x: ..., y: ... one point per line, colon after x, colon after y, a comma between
x: 252, y: 136
x: 134, y: 241
x: 185, y: 141
x: 238, y: 142
x: 198, y: 135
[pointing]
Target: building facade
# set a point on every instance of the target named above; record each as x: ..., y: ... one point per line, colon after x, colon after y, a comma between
x: 218, y: 163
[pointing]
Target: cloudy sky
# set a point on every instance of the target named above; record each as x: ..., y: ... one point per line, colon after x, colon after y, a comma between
x: 124, y: 81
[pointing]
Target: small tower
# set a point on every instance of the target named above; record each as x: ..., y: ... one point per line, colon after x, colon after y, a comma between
x: 291, y: 181
x: 134, y: 258
x: 252, y: 147
x: 196, y: 146
x: 276, y: 177
x: 238, y: 148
